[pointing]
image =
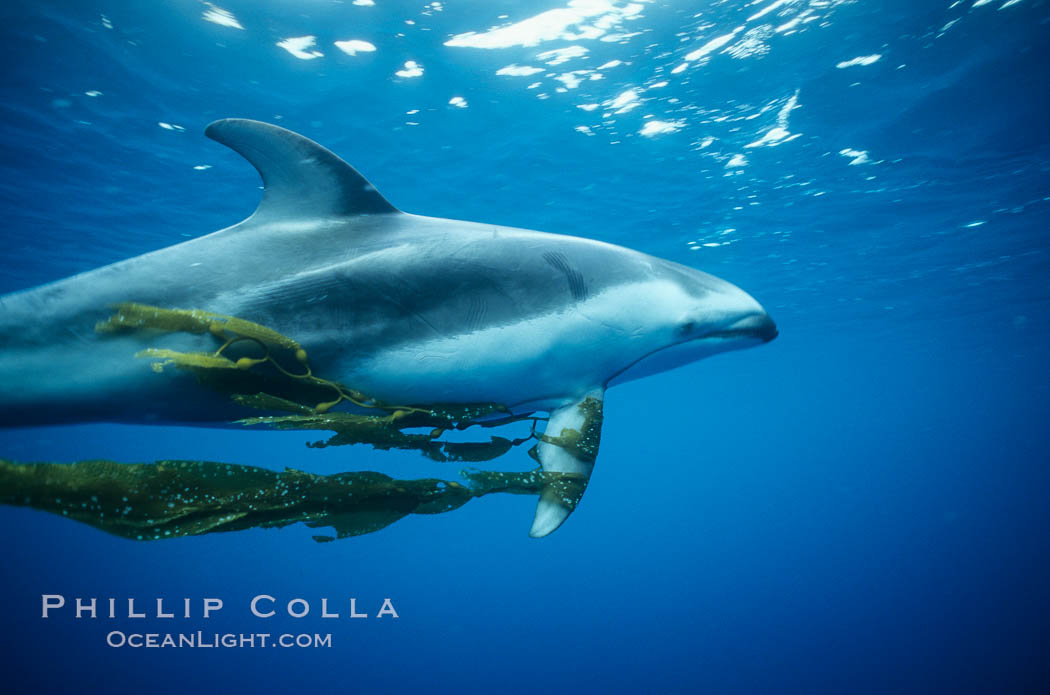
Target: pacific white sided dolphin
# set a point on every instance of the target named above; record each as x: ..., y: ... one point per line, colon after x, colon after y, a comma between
x: 407, y: 309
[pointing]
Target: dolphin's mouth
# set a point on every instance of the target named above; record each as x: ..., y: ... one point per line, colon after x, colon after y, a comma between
x: 758, y: 326
x: 754, y: 327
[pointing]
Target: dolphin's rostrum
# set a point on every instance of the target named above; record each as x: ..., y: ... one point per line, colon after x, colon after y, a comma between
x: 408, y: 309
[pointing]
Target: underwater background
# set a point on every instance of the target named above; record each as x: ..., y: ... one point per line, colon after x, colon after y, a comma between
x: 859, y: 506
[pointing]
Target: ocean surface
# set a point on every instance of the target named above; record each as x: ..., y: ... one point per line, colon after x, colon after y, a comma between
x: 860, y: 506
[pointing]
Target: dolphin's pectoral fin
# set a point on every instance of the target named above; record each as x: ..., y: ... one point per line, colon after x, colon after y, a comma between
x: 301, y: 178
x: 568, y: 445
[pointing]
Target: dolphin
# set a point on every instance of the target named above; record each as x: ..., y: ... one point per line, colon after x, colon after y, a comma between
x: 406, y: 308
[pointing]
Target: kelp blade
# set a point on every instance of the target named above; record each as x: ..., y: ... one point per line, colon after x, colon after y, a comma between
x: 257, y: 379
x: 171, y: 499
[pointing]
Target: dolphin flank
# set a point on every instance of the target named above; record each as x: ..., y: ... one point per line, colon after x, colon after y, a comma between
x: 405, y: 308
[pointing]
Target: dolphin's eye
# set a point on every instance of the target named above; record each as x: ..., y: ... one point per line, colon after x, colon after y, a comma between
x: 687, y: 328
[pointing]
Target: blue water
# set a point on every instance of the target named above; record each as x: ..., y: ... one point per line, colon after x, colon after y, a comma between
x: 859, y: 506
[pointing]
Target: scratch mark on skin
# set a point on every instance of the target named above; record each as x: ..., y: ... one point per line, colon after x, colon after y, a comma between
x: 577, y: 285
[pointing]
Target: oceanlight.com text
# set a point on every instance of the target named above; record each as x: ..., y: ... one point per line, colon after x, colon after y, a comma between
x: 213, y: 640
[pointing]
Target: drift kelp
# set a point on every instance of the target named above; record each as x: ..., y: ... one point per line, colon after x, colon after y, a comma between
x: 308, y: 397
x: 171, y: 499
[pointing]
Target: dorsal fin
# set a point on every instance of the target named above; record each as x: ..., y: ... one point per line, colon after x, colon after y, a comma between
x: 301, y: 179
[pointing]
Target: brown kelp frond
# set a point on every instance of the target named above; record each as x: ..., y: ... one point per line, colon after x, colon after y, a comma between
x: 130, y: 315
x: 172, y: 499
x: 280, y: 379
x: 386, y: 433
